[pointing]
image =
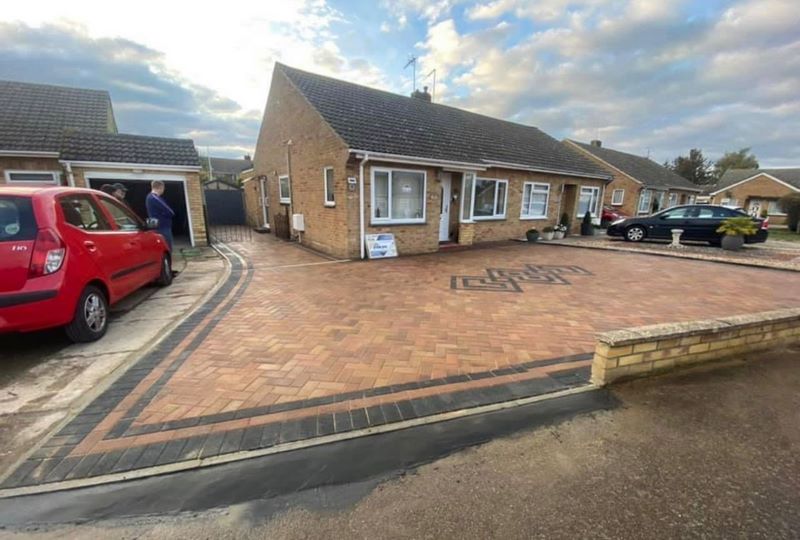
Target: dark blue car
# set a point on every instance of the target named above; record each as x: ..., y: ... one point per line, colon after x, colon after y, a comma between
x: 699, y: 222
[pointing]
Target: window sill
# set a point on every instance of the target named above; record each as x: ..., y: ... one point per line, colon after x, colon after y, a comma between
x: 532, y: 218
x: 286, y: 201
x: 397, y: 222
x: 489, y: 218
x: 330, y: 204
x: 616, y: 204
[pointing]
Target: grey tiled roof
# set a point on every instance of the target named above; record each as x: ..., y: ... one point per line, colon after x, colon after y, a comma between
x: 34, y: 116
x: 732, y: 176
x: 228, y: 165
x: 643, y: 169
x: 378, y: 121
x: 120, y: 148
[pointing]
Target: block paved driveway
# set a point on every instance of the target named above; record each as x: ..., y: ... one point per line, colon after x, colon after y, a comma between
x: 295, y: 345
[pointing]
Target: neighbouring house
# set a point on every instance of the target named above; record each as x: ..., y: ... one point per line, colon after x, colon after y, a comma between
x: 55, y: 135
x: 355, y: 161
x: 640, y: 186
x: 229, y: 170
x: 756, y: 190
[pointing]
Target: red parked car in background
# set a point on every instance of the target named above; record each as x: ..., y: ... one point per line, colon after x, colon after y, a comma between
x: 67, y: 254
x: 610, y: 215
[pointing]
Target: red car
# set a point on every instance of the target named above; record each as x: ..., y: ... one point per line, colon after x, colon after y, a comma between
x: 66, y: 254
x: 610, y: 215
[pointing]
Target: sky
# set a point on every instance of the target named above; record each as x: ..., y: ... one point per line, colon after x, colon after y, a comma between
x: 650, y: 77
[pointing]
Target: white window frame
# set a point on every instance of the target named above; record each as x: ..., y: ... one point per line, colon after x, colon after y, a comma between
x: 56, y: 175
x: 642, y: 198
x: 672, y: 200
x: 534, y: 185
x: 592, y: 212
x: 329, y: 202
x: 769, y: 203
x: 614, y: 201
x: 494, y: 216
x: 285, y: 200
x: 466, y: 212
x: 390, y: 170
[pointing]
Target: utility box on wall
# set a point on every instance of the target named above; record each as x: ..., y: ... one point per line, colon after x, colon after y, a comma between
x: 298, y: 222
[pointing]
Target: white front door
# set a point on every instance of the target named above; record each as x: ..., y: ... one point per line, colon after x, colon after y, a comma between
x: 754, y: 207
x: 444, y: 219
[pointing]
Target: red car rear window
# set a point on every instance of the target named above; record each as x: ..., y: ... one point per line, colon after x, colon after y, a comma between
x: 17, y: 221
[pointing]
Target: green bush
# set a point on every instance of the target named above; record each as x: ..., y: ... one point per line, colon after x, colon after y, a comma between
x: 738, y: 226
x: 790, y: 205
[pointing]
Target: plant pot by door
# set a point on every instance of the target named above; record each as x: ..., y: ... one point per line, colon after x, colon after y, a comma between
x: 732, y: 242
x: 532, y: 236
x: 587, y: 229
x: 558, y: 235
x: 547, y: 235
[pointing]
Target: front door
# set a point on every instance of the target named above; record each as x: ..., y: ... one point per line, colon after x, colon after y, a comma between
x: 444, y: 217
x: 754, y: 207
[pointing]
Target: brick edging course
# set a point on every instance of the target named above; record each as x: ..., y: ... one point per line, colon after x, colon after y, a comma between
x: 647, y: 350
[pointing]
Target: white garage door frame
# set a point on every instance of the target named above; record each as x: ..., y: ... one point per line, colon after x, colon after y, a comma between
x: 146, y: 177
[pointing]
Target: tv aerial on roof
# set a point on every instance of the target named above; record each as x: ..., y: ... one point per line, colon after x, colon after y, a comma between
x: 412, y: 61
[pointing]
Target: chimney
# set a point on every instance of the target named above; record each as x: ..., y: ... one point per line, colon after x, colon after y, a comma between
x: 596, y: 142
x: 424, y: 95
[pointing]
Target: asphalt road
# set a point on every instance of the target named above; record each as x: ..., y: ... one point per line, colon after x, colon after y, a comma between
x: 701, y: 455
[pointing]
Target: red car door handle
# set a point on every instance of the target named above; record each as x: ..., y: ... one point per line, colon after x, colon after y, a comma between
x: 91, y: 246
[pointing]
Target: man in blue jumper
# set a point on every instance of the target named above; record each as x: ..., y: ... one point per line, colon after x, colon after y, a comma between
x: 158, y: 208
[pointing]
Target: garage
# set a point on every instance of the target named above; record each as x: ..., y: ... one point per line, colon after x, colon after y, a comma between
x: 93, y: 160
x: 174, y: 194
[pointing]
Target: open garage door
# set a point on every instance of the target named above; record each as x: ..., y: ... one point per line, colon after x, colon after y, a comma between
x: 174, y: 194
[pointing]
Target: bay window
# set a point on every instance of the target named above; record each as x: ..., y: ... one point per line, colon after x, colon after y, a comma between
x: 490, y: 199
x: 398, y: 196
x: 644, y: 201
x: 588, y: 201
x: 534, y: 200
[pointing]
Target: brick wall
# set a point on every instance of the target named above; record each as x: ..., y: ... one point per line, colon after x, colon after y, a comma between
x: 761, y: 187
x: 648, y: 350
x: 288, y: 116
x: 30, y: 164
x: 193, y: 190
x: 252, y: 203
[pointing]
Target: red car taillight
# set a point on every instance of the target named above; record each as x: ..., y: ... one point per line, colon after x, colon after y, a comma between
x: 765, y: 223
x: 48, y: 253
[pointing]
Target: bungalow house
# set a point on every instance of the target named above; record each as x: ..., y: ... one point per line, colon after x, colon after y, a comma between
x: 55, y: 135
x: 354, y: 161
x: 640, y: 186
x: 756, y: 190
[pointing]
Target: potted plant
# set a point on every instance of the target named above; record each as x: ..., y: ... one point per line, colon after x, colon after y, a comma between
x: 560, y: 232
x: 532, y: 235
x: 548, y: 233
x: 564, y: 222
x: 587, y: 228
x: 734, y: 230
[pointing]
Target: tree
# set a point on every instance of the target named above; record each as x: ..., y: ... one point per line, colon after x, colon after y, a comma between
x: 741, y: 159
x: 694, y: 167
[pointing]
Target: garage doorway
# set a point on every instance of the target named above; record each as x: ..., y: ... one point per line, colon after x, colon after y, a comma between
x: 174, y: 195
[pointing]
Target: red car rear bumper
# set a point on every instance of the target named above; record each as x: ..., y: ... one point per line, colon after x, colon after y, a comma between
x: 45, y: 305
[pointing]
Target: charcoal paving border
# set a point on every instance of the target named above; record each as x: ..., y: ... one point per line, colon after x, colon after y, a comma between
x: 52, y: 462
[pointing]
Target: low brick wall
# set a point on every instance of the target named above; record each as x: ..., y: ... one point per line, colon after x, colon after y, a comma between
x: 647, y: 350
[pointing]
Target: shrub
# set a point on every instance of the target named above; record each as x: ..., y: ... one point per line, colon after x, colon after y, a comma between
x: 790, y: 205
x: 564, y: 221
x: 587, y: 218
x: 738, y: 226
x: 549, y: 228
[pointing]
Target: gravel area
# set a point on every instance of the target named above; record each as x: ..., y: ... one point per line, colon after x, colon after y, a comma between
x: 768, y: 254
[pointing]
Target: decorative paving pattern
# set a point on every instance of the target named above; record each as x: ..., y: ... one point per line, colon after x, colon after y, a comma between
x: 295, y: 346
x: 510, y: 279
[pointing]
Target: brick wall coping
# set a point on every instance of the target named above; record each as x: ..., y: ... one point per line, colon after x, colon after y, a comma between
x: 658, y: 332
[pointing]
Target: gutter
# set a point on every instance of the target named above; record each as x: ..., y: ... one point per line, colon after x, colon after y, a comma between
x: 122, y: 165
x: 28, y: 153
x: 361, y: 207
